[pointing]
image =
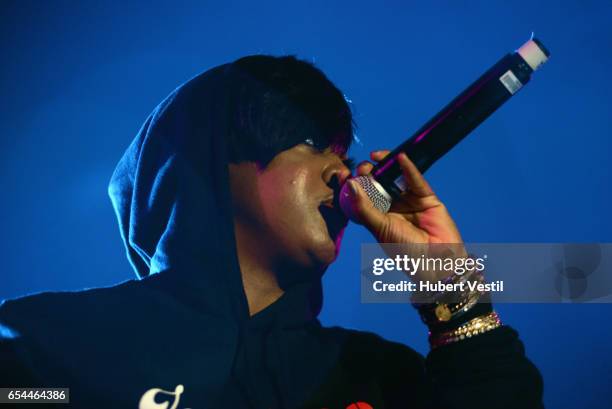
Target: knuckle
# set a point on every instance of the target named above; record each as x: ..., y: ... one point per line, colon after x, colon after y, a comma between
x: 364, y: 163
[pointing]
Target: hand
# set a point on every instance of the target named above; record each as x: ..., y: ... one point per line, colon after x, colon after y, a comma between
x: 418, y: 216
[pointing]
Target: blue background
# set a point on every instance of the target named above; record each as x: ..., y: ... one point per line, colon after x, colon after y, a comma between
x: 79, y: 78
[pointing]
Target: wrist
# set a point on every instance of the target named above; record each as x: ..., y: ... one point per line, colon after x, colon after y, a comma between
x: 455, y: 309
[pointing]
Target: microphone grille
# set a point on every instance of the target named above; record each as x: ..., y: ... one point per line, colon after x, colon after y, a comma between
x: 380, y: 199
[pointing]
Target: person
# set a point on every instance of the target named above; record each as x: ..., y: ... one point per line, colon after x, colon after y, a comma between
x: 227, y: 202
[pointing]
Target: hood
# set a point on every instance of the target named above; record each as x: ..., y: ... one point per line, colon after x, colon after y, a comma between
x: 170, y: 192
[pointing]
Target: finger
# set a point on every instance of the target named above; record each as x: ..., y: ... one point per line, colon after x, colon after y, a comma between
x: 363, y: 210
x: 379, y: 155
x: 364, y: 168
x: 415, y: 180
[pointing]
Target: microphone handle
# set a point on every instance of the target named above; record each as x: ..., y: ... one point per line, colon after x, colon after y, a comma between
x: 457, y: 119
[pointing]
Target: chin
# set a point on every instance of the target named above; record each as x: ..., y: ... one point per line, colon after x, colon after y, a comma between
x: 326, y: 252
x: 310, y: 259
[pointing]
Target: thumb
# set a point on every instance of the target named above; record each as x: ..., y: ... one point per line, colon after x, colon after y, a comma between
x: 362, y: 210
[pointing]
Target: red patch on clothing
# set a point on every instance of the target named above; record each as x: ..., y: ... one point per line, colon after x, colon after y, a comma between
x: 359, y: 405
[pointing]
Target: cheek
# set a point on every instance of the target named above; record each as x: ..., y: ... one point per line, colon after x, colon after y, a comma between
x: 291, y: 207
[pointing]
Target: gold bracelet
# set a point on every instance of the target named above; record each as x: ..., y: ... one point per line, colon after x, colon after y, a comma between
x: 475, y: 326
x: 440, y: 307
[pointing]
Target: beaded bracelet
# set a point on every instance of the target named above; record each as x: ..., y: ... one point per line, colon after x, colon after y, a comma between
x: 475, y: 326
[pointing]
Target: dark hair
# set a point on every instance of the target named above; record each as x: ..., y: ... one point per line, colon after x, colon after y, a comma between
x: 280, y: 102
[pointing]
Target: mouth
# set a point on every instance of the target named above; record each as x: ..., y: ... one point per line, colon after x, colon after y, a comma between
x: 334, y: 218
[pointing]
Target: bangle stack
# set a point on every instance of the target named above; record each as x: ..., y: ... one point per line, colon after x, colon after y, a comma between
x: 439, y: 308
x: 455, y: 316
x: 475, y: 326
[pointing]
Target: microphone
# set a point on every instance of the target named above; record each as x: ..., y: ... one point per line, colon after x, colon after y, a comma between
x: 453, y: 123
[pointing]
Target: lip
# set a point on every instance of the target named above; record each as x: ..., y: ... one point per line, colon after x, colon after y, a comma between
x: 328, y: 202
x: 334, y: 218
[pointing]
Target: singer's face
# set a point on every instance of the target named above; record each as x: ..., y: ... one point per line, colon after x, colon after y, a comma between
x: 288, y: 207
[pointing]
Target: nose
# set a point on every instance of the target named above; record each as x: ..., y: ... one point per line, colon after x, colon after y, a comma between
x: 336, y: 175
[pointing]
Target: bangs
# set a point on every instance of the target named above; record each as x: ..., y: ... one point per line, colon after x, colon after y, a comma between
x: 282, y: 102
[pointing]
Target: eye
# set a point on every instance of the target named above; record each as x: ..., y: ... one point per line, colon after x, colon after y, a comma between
x: 349, y: 162
x: 316, y: 148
